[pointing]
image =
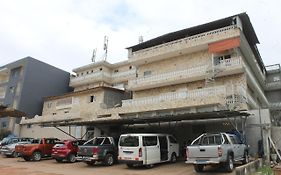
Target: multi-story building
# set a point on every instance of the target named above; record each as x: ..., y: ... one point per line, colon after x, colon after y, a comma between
x: 209, y: 77
x: 24, y: 83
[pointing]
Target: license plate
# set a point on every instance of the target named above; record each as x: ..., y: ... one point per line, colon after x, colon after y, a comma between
x: 127, y: 158
x: 201, y: 161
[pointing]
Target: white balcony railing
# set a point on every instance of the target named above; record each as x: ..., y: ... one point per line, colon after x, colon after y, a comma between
x: 185, y: 74
x: 197, y: 93
x: 101, y: 76
x: 182, y: 43
x: 273, y: 85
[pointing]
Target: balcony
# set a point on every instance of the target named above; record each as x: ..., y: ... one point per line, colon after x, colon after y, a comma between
x: 101, y: 76
x: 226, y: 67
x: 224, y: 96
x: 273, y: 85
x: 183, y: 46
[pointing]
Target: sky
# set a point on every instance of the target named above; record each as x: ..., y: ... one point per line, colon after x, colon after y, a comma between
x: 64, y: 33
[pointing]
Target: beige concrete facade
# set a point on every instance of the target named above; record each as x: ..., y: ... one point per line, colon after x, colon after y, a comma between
x: 179, y: 75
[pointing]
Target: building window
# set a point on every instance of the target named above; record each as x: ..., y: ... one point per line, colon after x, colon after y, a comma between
x: 130, y: 67
x: 66, y: 112
x: 221, y: 59
x: 101, y: 69
x: 12, y: 89
x: 54, y: 113
x: 146, y: 73
x: 49, y: 105
x: 87, y: 72
x: 82, y: 73
x: 29, y: 125
x: 92, y: 98
x: 116, y: 70
x: 4, y: 124
x: 276, y: 78
x: 92, y: 71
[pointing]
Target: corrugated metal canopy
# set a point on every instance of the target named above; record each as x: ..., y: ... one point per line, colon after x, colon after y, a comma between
x: 10, y: 112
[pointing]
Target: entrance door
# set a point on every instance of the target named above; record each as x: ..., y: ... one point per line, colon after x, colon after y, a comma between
x: 163, y: 148
x: 152, y: 151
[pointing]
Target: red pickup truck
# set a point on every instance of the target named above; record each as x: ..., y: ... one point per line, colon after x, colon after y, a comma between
x: 37, y: 149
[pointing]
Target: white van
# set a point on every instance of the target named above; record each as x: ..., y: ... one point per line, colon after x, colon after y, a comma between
x: 147, y: 149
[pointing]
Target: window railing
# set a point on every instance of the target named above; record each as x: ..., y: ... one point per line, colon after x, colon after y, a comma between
x: 176, y: 44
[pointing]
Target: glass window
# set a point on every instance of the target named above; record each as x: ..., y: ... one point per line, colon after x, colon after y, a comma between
x: 172, y: 139
x: 130, y: 141
x: 233, y: 140
x: 106, y: 141
x: 147, y: 73
x: 211, y: 140
x: 149, y: 140
x: 96, y: 141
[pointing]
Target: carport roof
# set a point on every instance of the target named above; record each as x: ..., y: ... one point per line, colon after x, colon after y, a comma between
x: 134, y: 119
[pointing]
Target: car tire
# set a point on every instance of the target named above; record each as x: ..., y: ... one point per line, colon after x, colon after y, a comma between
x: 71, y: 158
x: 229, y: 164
x: 129, y: 165
x: 36, y: 156
x: 108, y: 160
x: 59, y: 160
x: 198, y: 168
x: 90, y: 163
x: 26, y: 158
x: 246, y: 158
x: 173, y: 158
x: 15, y: 154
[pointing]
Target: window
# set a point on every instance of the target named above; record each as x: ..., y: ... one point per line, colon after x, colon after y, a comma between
x: 172, y: 139
x: 49, y: 105
x: 214, y: 139
x: 276, y: 78
x: 29, y: 126
x: 87, y: 72
x: 82, y: 73
x: 4, y: 124
x: 54, y: 113
x: 92, y: 98
x: 146, y: 73
x: 96, y: 141
x: 221, y: 59
x: 116, y: 70
x: 106, y: 141
x: 12, y: 89
x: 129, y: 141
x: 66, y: 112
x: 101, y: 69
x: 149, y: 140
x: 130, y: 67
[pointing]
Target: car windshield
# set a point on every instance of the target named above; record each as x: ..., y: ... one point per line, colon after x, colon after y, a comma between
x: 130, y: 141
x: 96, y: 141
x: 210, y: 139
x: 36, y: 141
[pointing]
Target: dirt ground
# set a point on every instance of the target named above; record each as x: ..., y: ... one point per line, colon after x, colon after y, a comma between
x: 17, y: 166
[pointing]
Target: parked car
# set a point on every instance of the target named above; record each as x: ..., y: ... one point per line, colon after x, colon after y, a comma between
x: 67, y: 150
x: 9, y: 150
x: 98, y: 149
x: 8, y: 140
x: 216, y: 148
x: 147, y: 149
x: 37, y: 149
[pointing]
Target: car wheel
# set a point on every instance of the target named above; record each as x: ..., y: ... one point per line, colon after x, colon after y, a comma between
x: 198, y: 168
x: 36, y: 156
x: 59, y: 160
x: 246, y: 158
x: 108, y: 160
x: 129, y: 165
x: 15, y: 154
x: 71, y: 158
x: 173, y: 158
x: 229, y: 164
x: 90, y: 163
x: 26, y: 158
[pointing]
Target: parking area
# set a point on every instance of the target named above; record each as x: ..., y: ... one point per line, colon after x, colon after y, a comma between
x: 17, y: 166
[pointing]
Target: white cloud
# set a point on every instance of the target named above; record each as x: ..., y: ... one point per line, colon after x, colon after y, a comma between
x: 64, y: 32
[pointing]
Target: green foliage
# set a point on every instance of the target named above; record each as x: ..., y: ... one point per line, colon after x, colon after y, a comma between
x: 265, y: 170
x: 4, y: 133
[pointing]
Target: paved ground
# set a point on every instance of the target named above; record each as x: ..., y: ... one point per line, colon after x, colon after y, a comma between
x: 17, y: 166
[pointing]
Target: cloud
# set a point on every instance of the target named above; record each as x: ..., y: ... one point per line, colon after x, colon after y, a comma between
x: 65, y: 32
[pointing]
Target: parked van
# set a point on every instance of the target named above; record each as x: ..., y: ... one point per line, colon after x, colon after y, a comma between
x: 147, y: 149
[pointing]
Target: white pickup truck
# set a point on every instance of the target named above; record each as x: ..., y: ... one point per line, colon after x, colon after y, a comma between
x: 216, y: 148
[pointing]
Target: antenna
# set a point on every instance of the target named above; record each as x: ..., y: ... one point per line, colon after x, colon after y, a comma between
x: 94, y: 55
x: 140, y: 39
x: 105, y: 46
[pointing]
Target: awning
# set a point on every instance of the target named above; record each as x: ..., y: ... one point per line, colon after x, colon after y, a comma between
x: 224, y: 45
x: 10, y: 112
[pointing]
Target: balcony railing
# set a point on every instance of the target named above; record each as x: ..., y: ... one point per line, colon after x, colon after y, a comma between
x: 276, y: 105
x: 273, y: 85
x: 190, y: 41
x: 174, y: 77
x: 222, y: 91
x: 101, y: 76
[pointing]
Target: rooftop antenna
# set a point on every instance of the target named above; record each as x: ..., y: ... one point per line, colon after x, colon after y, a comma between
x: 140, y: 39
x: 105, y: 46
x: 94, y: 55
